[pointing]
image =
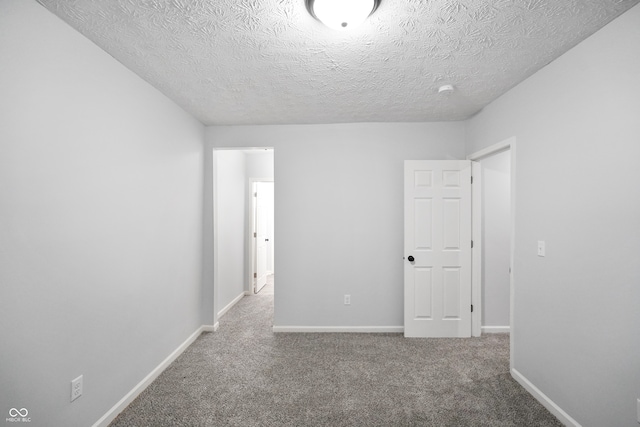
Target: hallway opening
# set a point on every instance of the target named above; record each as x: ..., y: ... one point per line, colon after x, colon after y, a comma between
x: 244, y: 240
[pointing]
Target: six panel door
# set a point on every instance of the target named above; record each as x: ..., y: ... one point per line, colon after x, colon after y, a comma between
x: 437, y: 236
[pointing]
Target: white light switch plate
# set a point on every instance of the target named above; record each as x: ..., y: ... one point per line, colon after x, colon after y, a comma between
x: 541, y: 248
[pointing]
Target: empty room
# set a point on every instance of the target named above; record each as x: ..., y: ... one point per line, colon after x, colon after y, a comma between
x: 319, y: 213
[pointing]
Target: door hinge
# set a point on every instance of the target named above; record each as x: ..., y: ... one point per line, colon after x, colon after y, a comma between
x: 255, y: 194
x: 255, y: 275
x: 472, y: 179
x: 472, y: 244
x: 472, y: 308
x: 255, y: 234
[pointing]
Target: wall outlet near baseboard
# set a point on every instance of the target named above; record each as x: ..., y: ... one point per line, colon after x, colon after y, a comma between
x: 76, y: 388
x: 347, y: 300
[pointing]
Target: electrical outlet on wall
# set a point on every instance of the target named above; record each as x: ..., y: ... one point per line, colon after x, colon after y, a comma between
x: 76, y: 388
x: 347, y: 300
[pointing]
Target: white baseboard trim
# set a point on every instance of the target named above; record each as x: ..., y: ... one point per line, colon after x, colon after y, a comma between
x: 210, y: 328
x: 231, y: 304
x: 562, y: 416
x: 139, y: 388
x: 340, y: 329
x: 495, y: 329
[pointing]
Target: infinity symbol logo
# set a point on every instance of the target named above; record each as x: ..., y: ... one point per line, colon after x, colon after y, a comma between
x: 13, y: 412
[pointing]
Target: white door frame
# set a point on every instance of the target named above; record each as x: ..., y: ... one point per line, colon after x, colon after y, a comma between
x: 251, y: 241
x: 476, y: 203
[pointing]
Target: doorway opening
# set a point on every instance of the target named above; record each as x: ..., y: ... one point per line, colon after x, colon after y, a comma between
x: 493, y: 231
x: 496, y: 241
x: 262, y: 241
x: 239, y: 176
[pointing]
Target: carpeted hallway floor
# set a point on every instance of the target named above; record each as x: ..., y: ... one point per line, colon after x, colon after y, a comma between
x: 244, y: 375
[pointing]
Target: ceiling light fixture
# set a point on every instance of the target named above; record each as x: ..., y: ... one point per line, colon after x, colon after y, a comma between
x: 341, y: 14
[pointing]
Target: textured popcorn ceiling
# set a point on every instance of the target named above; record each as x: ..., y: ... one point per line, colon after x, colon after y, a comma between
x: 268, y: 61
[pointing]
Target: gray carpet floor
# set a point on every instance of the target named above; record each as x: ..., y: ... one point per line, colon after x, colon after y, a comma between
x: 244, y: 375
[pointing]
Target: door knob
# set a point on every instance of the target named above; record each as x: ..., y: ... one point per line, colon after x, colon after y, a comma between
x: 411, y: 258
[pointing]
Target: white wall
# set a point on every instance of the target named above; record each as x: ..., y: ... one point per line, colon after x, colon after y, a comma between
x: 230, y: 200
x: 496, y: 239
x: 577, y: 128
x: 338, y: 214
x: 100, y: 222
x: 259, y: 164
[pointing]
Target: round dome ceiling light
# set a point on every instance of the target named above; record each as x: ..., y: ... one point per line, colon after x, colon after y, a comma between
x: 341, y: 14
x: 444, y: 89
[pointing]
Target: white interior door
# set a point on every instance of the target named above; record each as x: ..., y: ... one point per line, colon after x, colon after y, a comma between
x: 437, y: 244
x: 261, y: 235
